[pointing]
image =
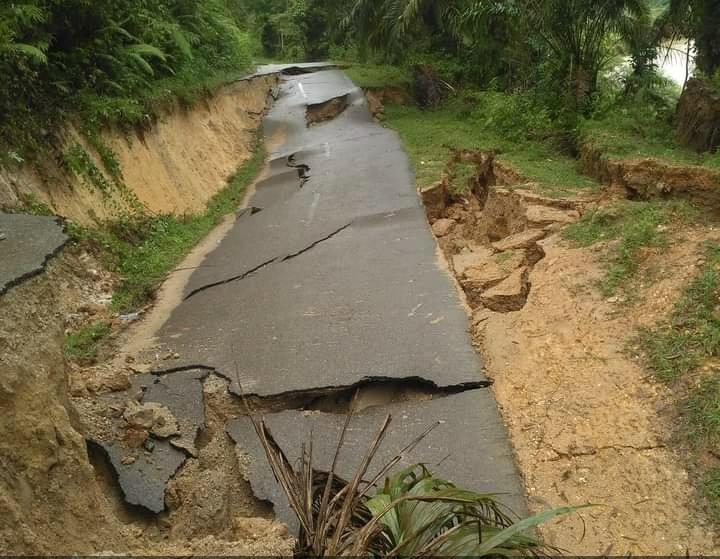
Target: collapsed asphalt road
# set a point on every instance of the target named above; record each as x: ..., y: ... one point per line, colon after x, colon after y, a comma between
x: 332, y: 282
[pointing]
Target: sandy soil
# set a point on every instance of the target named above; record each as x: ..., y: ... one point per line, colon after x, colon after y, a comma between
x: 587, y: 423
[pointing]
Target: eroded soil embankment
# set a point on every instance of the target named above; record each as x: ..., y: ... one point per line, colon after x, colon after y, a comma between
x: 53, y: 498
x: 587, y: 423
x: 651, y: 178
x: 174, y: 165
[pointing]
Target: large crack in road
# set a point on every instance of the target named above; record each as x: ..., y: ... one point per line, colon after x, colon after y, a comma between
x: 332, y: 292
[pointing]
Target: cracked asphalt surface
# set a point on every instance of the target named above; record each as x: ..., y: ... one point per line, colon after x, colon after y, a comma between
x: 335, y: 281
x: 27, y: 242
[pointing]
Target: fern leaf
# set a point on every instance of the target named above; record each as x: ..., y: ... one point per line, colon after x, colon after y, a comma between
x: 32, y: 52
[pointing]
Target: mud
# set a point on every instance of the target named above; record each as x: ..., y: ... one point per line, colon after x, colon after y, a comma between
x: 587, y: 423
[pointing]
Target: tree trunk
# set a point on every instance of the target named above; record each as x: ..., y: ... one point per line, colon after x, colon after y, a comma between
x: 708, y: 38
x: 697, y: 119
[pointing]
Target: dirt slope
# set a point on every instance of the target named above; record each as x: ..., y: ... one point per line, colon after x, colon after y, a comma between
x: 175, y: 165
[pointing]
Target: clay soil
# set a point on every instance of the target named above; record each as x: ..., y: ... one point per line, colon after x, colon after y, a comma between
x: 587, y: 422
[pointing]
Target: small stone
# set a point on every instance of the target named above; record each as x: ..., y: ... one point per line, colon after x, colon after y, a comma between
x: 127, y: 460
x: 3, y: 236
x: 139, y: 416
x: 153, y: 417
x: 149, y: 445
x: 135, y: 438
x: 130, y: 317
x: 443, y: 227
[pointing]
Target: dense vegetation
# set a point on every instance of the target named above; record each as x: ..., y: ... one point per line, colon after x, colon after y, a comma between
x: 109, y: 60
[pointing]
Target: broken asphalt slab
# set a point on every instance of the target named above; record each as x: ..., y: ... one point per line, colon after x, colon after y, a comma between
x: 143, y: 475
x: 30, y: 242
x: 469, y: 447
x: 144, y: 470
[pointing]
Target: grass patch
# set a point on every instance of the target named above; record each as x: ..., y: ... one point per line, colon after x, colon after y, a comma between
x: 711, y: 490
x: 143, y: 249
x: 378, y: 75
x: 637, y: 131
x: 428, y: 134
x: 703, y: 414
x: 693, y: 332
x: 82, y: 346
x: 678, y: 347
x: 634, y: 226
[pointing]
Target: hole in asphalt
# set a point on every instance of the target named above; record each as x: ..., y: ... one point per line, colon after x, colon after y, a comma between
x: 317, y: 113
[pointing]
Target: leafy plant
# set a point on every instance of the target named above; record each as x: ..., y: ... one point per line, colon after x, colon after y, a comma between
x: 413, y: 514
x: 82, y: 346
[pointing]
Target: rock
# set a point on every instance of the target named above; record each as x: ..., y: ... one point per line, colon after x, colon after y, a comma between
x: 443, y: 226
x: 138, y: 415
x: 542, y: 216
x: 127, y: 460
x: 508, y: 295
x: 435, y: 199
x: 153, y: 417
x: 493, y: 270
x: 470, y: 259
x: 135, y: 438
x: 524, y: 239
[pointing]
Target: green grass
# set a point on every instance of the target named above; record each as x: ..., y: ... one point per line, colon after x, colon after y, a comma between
x: 692, y: 334
x: 143, y: 249
x: 82, y: 346
x: 427, y: 135
x: 378, y: 75
x: 633, y: 226
x: 637, y: 131
x: 711, y: 490
x: 703, y: 413
x: 678, y: 347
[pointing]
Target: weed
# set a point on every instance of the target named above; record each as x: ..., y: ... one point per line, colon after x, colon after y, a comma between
x: 142, y: 249
x: 106, y: 154
x: 634, y: 225
x: 30, y: 204
x: 693, y: 331
x: 703, y: 413
x: 428, y: 134
x: 378, y: 75
x: 82, y: 346
x: 711, y: 490
x: 79, y: 162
